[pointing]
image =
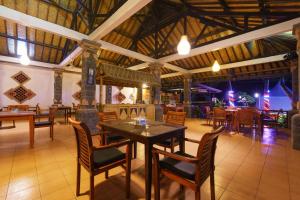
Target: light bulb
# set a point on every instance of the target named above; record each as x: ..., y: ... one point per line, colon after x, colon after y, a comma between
x: 24, y: 60
x: 183, y: 46
x: 216, y: 67
x: 145, y: 85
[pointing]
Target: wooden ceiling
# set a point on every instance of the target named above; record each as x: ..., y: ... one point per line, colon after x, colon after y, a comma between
x: 156, y: 30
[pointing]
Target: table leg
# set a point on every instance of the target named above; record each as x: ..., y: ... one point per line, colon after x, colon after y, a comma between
x: 182, y: 141
x: 65, y: 116
x: 148, y: 170
x: 31, y: 131
x: 262, y: 124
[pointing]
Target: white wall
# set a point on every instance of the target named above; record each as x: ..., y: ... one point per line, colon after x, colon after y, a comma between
x: 69, y: 87
x: 41, y: 84
x: 127, y: 92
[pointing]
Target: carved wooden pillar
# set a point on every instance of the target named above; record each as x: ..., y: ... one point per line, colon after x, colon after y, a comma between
x: 139, y: 96
x: 155, y: 70
x: 108, y: 94
x: 296, y: 32
x: 58, y: 76
x: 87, y: 112
x: 295, y: 80
x: 187, y: 85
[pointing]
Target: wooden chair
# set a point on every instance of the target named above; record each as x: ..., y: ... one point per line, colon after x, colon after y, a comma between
x: 19, y: 108
x: 107, y: 137
x: 101, y: 159
x: 49, y: 123
x: 188, y: 170
x: 174, y: 118
x: 208, y: 114
x: 219, y: 116
x: 245, y: 117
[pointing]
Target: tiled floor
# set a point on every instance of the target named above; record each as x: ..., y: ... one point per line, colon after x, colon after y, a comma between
x: 246, y: 168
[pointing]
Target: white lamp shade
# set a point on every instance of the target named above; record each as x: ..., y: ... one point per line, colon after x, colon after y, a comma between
x: 24, y: 60
x: 183, y: 46
x: 216, y: 67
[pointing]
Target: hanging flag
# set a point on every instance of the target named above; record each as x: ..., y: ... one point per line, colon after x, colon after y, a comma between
x: 231, y: 98
x: 266, y: 96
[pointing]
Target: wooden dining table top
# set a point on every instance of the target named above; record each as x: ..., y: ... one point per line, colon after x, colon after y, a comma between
x: 150, y: 129
x: 16, y: 113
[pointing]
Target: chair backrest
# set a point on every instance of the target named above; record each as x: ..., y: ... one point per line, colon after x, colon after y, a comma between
x: 219, y: 112
x: 108, y: 116
x: 84, y: 144
x: 245, y: 116
x: 18, y: 107
x: 206, y: 155
x: 207, y: 109
x: 176, y: 118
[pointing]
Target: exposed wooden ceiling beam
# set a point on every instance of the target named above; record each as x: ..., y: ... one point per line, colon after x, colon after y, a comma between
x: 123, y: 13
x: 34, y: 22
x: 231, y: 65
x: 40, y: 24
x: 239, y: 39
x: 32, y: 62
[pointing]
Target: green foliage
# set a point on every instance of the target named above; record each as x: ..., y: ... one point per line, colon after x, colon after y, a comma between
x: 245, y: 99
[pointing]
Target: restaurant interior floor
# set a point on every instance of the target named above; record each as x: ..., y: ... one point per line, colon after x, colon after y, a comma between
x: 246, y: 168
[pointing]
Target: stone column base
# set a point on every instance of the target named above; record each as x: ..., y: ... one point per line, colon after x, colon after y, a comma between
x: 158, y: 112
x: 188, y: 110
x: 89, y: 117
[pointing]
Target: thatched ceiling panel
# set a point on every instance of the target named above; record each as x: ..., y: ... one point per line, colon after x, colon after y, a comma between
x: 3, y: 43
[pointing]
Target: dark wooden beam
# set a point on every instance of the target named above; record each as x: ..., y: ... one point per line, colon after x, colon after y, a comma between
x: 57, y: 5
x: 30, y: 41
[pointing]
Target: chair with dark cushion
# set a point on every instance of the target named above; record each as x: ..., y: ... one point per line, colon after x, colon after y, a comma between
x: 108, y: 137
x: 100, y: 159
x: 186, y: 169
x: 49, y: 123
x: 174, y: 118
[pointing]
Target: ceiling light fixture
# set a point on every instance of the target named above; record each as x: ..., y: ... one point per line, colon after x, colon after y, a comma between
x: 184, y: 46
x: 24, y: 59
x: 216, y: 67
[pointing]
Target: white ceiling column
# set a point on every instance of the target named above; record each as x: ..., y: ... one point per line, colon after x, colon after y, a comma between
x: 232, y: 65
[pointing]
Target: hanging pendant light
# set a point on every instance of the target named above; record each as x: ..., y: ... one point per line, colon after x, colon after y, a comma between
x: 184, y: 46
x: 24, y: 59
x: 216, y: 67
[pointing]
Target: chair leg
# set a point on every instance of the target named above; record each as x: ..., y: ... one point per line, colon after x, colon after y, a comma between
x: 156, y: 182
x: 198, y: 194
x: 51, y: 132
x: 106, y: 174
x: 91, y: 186
x: 14, y: 124
x: 78, y: 179
x: 128, y: 175
x: 134, y: 150
x: 172, y: 148
x: 212, y: 186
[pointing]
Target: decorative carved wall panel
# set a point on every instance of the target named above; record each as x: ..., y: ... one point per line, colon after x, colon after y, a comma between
x: 20, y: 77
x: 20, y: 93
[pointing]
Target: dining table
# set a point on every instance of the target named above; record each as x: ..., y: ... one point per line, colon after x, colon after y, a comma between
x: 21, y: 115
x: 67, y: 111
x: 148, y: 133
